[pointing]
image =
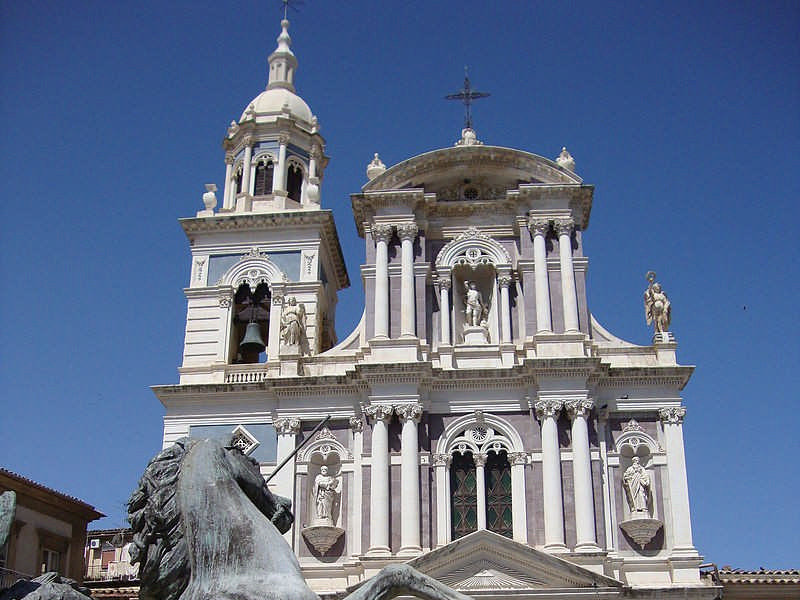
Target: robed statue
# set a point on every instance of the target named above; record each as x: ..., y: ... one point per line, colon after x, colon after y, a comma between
x: 293, y: 323
x: 636, y: 482
x: 326, y: 491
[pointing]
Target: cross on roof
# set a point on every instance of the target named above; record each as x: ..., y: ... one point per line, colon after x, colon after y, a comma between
x: 466, y: 96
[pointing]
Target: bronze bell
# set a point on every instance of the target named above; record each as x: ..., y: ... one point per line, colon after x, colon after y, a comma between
x: 252, y: 341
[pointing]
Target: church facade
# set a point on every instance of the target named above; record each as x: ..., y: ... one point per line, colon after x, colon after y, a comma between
x: 483, y: 425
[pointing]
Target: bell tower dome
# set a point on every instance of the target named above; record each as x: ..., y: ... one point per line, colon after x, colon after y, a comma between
x: 274, y: 152
x: 270, y: 253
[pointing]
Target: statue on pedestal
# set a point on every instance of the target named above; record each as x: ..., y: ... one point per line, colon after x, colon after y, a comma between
x: 475, y: 311
x: 637, y: 488
x: 657, y: 308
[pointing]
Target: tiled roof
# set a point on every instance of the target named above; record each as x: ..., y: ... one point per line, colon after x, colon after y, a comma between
x: 778, y: 576
x: 44, y: 488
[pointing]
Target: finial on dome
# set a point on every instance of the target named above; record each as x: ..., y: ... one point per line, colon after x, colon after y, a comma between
x: 282, y: 62
x: 565, y: 160
x: 375, y: 168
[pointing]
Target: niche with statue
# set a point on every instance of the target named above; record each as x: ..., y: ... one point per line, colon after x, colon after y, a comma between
x: 325, y: 494
x: 637, y: 483
x: 475, y: 311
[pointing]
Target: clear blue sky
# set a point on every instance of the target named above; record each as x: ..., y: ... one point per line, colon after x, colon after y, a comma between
x: 685, y: 115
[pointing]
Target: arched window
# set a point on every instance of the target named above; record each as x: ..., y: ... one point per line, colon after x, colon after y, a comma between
x: 264, y: 172
x: 237, y: 180
x: 294, y: 182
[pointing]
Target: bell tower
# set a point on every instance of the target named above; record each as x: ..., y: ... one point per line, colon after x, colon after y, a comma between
x: 266, y: 263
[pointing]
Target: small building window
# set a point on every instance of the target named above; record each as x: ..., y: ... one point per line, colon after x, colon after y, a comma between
x: 264, y: 172
x: 294, y: 182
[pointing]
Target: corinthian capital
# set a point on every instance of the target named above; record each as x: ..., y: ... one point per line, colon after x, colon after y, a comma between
x: 579, y: 408
x: 564, y: 226
x: 480, y: 459
x: 407, y: 231
x: 283, y: 138
x: 249, y: 141
x: 672, y: 415
x: 229, y: 158
x: 382, y: 232
x: 517, y: 458
x: 287, y: 426
x: 504, y: 281
x: 548, y: 408
x: 379, y: 412
x: 538, y: 226
x: 356, y: 424
x: 409, y: 412
x: 442, y: 460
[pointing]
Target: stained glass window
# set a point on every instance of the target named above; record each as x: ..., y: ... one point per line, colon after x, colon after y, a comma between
x: 498, y: 494
x: 464, y: 498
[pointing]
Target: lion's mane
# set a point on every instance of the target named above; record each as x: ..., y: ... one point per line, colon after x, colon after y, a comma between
x: 159, y: 546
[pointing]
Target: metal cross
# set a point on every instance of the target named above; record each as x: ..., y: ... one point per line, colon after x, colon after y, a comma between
x: 293, y: 4
x: 467, y: 95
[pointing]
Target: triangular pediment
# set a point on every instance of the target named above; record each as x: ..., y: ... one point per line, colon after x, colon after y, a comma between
x: 484, y: 561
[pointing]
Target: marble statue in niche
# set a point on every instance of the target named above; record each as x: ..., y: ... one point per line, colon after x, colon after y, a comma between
x: 293, y: 325
x: 325, y: 493
x: 475, y: 310
x: 657, y: 308
x: 636, y: 482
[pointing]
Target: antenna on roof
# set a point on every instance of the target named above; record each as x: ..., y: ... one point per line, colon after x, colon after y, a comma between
x: 466, y: 95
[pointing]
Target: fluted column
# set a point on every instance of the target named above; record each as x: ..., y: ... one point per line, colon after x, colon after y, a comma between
x: 227, y: 195
x: 382, y: 233
x: 539, y: 229
x: 441, y: 466
x: 569, y: 297
x: 480, y: 478
x: 279, y: 175
x: 672, y: 422
x: 248, y: 159
x: 547, y: 412
x: 505, y: 309
x: 407, y: 232
x: 444, y: 306
x: 410, y: 415
x: 379, y: 479
x: 578, y: 411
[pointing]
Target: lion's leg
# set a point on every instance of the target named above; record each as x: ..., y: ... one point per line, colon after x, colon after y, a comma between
x: 396, y: 580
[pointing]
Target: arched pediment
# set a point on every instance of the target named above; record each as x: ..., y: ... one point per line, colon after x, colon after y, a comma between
x: 480, y: 432
x: 492, y: 168
x: 472, y: 247
x: 253, y: 269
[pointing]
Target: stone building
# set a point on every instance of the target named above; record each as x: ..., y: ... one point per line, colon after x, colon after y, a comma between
x: 484, y: 425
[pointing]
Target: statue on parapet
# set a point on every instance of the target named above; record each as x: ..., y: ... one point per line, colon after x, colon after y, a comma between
x: 657, y: 308
x: 206, y: 526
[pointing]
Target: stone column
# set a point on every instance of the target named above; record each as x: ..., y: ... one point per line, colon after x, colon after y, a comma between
x: 547, y: 412
x: 564, y: 227
x: 248, y: 159
x: 279, y: 175
x: 444, y: 306
x: 410, y: 415
x: 441, y: 466
x: 382, y: 233
x: 355, y: 499
x: 480, y: 477
x: 283, y: 482
x: 672, y: 422
x: 274, y: 333
x: 539, y: 229
x: 407, y: 232
x: 379, y: 479
x: 505, y: 309
x: 227, y: 195
x: 519, y: 517
x: 578, y: 411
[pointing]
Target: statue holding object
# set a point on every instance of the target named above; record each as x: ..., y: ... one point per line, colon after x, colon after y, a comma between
x: 657, y: 308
